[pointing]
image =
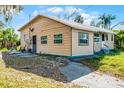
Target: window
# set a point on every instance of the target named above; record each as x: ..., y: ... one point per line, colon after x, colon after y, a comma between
x: 43, y: 39
x: 96, y: 37
x: 112, y: 37
x: 106, y: 37
x: 58, y: 39
x: 83, y: 38
x: 25, y: 37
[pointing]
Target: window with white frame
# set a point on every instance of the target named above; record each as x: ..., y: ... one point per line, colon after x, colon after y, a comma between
x: 43, y: 39
x: 96, y: 37
x: 83, y: 38
x: 58, y: 39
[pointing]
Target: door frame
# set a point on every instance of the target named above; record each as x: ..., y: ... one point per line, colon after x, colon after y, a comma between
x: 34, y: 44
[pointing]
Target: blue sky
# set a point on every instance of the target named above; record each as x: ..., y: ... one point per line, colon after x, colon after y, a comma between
x: 88, y: 11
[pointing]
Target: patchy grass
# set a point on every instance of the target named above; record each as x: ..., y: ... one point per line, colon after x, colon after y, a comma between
x: 4, y: 50
x: 112, y: 64
x: 30, y: 72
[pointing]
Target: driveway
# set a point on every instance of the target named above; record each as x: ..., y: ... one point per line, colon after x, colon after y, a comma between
x: 79, y: 74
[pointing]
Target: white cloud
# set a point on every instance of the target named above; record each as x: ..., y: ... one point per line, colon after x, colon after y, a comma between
x: 80, y: 10
x: 69, y: 10
x: 88, y: 17
x: 35, y: 13
x: 55, y: 10
x: 94, y: 15
x: 85, y: 15
x: 87, y: 21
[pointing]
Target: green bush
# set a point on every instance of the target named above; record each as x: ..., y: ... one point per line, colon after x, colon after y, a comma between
x: 4, y: 50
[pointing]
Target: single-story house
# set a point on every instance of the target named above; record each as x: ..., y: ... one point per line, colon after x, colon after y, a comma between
x: 50, y: 35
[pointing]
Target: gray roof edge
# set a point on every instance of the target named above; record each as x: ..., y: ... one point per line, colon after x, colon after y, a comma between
x: 71, y: 24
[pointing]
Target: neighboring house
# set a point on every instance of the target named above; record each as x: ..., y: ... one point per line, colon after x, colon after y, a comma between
x: 118, y: 26
x: 59, y: 37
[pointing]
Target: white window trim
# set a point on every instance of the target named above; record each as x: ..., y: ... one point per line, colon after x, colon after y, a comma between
x: 97, y: 37
x: 86, y: 38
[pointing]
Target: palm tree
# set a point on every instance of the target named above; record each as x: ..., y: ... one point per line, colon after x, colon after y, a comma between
x: 110, y: 17
x: 9, y: 10
x: 8, y: 37
x: 105, y: 20
x: 92, y: 23
x: 79, y: 19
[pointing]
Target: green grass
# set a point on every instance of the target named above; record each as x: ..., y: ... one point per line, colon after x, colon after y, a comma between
x: 12, y: 76
x: 112, y: 64
x: 18, y: 48
x: 4, y: 50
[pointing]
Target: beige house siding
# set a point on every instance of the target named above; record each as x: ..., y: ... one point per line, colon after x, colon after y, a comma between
x: 22, y: 33
x: 44, y: 26
x: 50, y: 47
x: 98, y: 45
x: 109, y: 42
x: 81, y: 50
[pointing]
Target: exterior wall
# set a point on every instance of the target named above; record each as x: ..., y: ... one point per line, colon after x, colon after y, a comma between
x: 70, y: 47
x: 98, y: 45
x: 22, y: 33
x: 44, y: 26
x: 81, y: 50
x: 109, y: 43
x: 50, y: 47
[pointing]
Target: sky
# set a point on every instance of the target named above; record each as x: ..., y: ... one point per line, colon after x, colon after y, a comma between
x: 89, y: 12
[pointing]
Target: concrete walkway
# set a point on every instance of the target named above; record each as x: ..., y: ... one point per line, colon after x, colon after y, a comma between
x: 79, y: 74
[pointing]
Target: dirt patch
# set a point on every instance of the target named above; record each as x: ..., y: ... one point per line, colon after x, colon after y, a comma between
x: 37, y: 65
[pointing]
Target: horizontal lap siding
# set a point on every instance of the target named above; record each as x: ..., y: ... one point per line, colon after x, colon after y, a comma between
x: 81, y: 50
x: 50, y: 47
x: 44, y: 26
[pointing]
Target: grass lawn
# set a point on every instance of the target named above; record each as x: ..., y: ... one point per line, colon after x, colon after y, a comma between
x: 14, y: 74
x: 112, y: 64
